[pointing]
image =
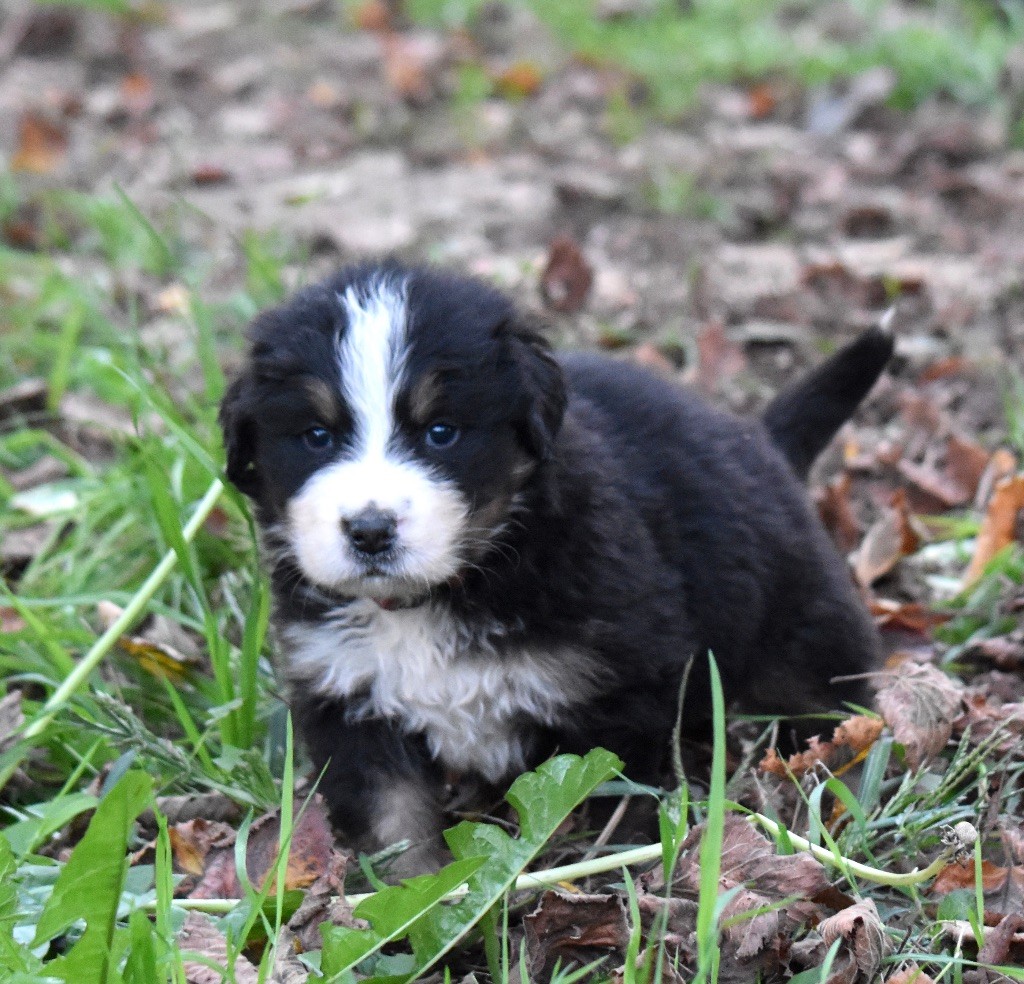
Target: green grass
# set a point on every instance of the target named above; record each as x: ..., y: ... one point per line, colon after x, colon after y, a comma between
x: 957, y: 49
x: 99, y: 749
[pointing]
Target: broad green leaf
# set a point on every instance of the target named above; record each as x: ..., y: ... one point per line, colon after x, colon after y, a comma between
x: 390, y: 912
x: 26, y: 835
x: 89, y: 887
x: 543, y: 799
x: 14, y: 957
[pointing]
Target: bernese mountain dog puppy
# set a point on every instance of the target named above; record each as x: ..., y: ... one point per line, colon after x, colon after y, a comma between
x: 483, y: 552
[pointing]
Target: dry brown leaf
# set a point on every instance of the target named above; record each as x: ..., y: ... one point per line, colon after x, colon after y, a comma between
x: 997, y: 945
x: 999, y: 525
x: 762, y: 101
x: 850, y: 739
x: 412, y: 64
x: 208, y: 173
x: 519, y: 81
x: 563, y: 925
x: 374, y: 15
x: 310, y: 853
x: 199, y: 936
x: 748, y: 858
x: 41, y: 145
x: 911, y: 974
x: 906, y: 616
x: 942, y: 488
x: 920, y: 704
x: 718, y: 358
x: 836, y: 512
x: 324, y: 902
x: 985, y: 714
x: 956, y: 876
x: 567, y: 276
x: 1003, y: 652
x: 966, y: 461
x: 193, y: 840
x: 891, y: 538
x: 137, y: 93
x: 862, y: 932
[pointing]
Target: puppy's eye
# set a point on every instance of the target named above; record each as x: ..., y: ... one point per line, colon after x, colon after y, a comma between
x: 441, y: 435
x: 318, y: 439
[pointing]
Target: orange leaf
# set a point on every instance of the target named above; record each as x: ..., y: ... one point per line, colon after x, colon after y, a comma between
x: 567, y: 277
x: 956, y: 876
x: 890, y: 538
x: 41, y: 145
x: 519, y: 80
x: 997, y: 530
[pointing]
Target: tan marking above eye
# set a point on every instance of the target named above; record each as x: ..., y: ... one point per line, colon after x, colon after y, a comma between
x: 425, y: 397
x: 324, y: 400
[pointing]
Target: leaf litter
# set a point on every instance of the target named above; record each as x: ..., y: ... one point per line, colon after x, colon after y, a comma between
x: 755, y: 222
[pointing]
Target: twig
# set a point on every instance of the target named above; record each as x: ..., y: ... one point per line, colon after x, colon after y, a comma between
x: 139, y: 600
x: 637, y: 855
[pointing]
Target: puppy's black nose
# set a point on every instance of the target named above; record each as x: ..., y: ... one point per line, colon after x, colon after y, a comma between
x: 371, y: 531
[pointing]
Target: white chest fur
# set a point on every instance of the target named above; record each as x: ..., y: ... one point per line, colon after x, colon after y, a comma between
x: 433, y: 675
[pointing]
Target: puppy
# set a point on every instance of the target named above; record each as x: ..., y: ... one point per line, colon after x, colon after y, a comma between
x: 483, y: 553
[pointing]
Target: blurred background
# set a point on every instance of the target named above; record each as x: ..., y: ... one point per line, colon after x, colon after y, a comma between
x: 724, y: 190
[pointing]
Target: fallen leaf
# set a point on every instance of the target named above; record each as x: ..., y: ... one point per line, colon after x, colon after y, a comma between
x: 324, y: 902
x: 310, y: 851
x: 374, y: 15
x: 966, y: 461
x: 137, y: 93
x: 718, y: 358
x: 920, y: 704
x: 891, y: 538
x: 563, y: 925
x: 773, y: 896
x: 413, y: 64
x: 997, y: 945
x: 209, y: 173
x: 193, y: 840
x: 957, y: 876
x: 41, y: 145
x: 849, y: 740
x: 906, y: 616
x: 863, y: 934
x: 749, y: 859
x: 836, y: 512
x: 942, y: 488
x: 567, y: 276
x: 199, y: 937
x: 762, y: 100
x: 986, y: 715
x: 999, y: 526
x: 519, y: 81
x: 952, y: 365
x: 1003, y: 652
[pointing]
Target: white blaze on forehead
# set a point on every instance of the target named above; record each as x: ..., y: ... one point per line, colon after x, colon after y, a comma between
x: 371, y: 359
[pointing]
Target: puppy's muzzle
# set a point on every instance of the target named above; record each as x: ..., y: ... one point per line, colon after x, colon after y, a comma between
x: 371, y: 531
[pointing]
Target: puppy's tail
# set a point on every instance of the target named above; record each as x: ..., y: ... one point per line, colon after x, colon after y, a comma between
x: 805, y: 417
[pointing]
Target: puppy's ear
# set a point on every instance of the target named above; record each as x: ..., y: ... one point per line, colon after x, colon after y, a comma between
x: 239, y: 430
x: 543, y: 388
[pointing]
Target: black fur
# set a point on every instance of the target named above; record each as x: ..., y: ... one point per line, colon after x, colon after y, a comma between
x: 649, y: 528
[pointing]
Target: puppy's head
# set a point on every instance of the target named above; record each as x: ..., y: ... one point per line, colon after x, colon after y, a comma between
x: 384, y: 422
